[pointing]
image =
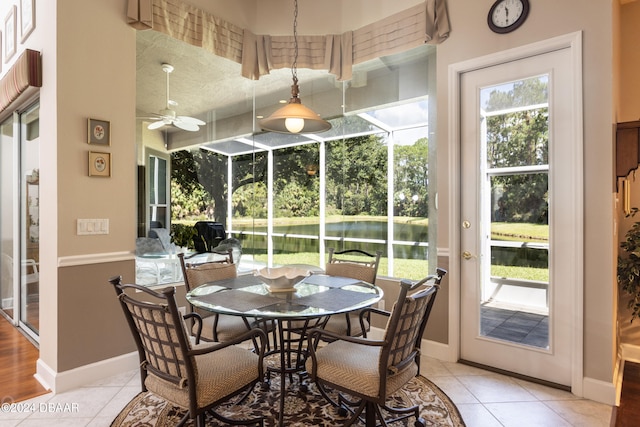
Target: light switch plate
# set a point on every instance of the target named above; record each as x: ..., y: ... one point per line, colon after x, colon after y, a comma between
x: 92, y: 226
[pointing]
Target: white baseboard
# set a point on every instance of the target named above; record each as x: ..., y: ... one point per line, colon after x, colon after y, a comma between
x: 599, y: 391
x: 84, y: 375
x: 437, y: 350
x: 428, y: 348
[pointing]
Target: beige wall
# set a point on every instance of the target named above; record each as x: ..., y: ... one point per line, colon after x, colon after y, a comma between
x: 470, y: 38
x: 89, y: 62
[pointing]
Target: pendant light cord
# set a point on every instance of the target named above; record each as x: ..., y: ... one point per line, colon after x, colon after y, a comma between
x: 294, y: 65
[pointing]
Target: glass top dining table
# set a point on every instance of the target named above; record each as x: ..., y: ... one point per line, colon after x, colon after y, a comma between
x: 317, y: 295
x: 308, y: 305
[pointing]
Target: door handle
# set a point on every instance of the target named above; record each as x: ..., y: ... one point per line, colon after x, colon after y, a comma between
x: 467, y: 255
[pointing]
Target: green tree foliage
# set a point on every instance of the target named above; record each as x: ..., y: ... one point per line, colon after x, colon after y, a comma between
x: 356, y: 180
x: 410, y: 178
x: 296, y: 190
x: 357, y: 176
x: 520, y: 138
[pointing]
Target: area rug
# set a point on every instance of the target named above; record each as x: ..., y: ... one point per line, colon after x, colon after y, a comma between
x: 301, y: 408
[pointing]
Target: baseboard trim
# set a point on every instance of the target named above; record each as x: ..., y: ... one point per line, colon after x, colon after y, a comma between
x: 599, y: 391
x: 437, y: 350
x: 429, y: 348
x: 84, y: 375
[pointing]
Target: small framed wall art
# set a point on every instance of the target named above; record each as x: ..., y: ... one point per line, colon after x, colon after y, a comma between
x: 27, y: 18
x: 99, y: 164
x: 99, y: 132
x: 10, y: 34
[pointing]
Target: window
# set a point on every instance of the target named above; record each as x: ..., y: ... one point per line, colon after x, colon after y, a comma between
x: 368, y: 183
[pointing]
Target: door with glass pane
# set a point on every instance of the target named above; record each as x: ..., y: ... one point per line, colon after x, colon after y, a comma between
x: 517, y: 148
x: 158, y: 184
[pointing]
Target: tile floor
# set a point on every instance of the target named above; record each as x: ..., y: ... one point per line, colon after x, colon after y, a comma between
x: 484, y: 399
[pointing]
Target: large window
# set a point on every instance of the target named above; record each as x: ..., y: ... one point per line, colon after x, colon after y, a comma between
x: 368, y: 183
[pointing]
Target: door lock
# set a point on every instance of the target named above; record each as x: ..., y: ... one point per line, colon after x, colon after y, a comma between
x: 467, y: 255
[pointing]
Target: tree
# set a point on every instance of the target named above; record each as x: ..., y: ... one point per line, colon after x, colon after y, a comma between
x: 357, y: 176
x: 411, y: 178
x: 519, y: 137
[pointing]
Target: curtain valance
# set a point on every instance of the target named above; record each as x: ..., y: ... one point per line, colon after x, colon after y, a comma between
x: 26, y: 73
x: 424, y: 23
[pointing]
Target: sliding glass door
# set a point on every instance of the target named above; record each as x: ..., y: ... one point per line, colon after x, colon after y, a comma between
x: 20, y: 219
x: 8, y: 187
x: 30, y: 219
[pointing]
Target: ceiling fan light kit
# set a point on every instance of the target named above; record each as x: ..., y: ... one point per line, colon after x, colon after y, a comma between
x: 168, y: 116
x: 295, y: 117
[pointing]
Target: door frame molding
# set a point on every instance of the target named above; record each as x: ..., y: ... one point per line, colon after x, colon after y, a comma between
x: 573, y: 41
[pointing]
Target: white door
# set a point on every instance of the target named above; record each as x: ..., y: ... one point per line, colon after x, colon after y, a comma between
x: 518, y: 210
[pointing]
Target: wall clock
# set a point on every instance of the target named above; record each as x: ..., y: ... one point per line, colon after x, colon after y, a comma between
x: 507, y: 15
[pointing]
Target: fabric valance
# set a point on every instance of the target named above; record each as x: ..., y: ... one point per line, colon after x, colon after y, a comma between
x: 26, y: 73
x: 258, y: 54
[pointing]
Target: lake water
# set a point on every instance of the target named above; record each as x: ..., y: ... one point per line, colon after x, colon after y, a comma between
x: 338, y: 232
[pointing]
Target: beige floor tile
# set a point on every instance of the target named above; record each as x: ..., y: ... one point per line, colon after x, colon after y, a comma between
x: 456, y: 391
x: 542, y: 392
x: 476, y: 415
x: 495, y: 388
x: 583, y: 413
x: 526, y: 414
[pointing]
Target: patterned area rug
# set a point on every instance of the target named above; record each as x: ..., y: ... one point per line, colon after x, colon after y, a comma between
x: 301, y: 408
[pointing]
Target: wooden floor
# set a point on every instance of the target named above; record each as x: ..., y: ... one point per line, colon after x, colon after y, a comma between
x: 18, y: 358
x: 628, y: 413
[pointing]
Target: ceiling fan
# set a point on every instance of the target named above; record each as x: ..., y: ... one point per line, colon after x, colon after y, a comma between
x: 168, y: 116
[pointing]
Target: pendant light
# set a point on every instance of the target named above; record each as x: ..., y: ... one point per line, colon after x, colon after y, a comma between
x: 295, y: 117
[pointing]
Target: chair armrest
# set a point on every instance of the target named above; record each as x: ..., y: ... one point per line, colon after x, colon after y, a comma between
x: 249, y: 335
x: 198, y: 320
x: 316, y: 333
x: 366, y: 312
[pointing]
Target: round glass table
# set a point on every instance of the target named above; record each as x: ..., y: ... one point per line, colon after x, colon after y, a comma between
x: 309, y: 305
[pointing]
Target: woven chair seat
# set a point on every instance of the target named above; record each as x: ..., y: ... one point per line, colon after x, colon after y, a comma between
x: 229, y: 327
x: 355, y: 366
x: 218, y: 373
x: 338, y: 324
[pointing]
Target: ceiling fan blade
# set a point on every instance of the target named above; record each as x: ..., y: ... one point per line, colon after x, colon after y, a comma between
x: 156, y: 125
x: 191, y: 127
x: 193, y: 120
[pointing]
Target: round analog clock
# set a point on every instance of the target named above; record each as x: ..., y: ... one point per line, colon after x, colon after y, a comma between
x: 507, y: 15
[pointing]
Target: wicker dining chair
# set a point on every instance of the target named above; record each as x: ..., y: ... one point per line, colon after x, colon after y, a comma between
x: 355, y: 264
x: 367, y: 372
x: 215, y: 327
x: 192, y: 375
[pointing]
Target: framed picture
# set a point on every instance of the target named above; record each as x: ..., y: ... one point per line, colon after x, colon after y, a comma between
x: 99, y: 132
x: 99, y: 164
x: 10, y: 34
x: 27, y: 18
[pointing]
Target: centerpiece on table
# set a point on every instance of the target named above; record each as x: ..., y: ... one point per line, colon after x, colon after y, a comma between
x: 282, y: 279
